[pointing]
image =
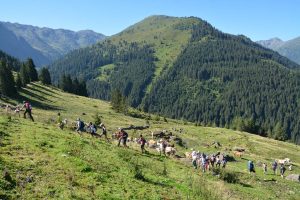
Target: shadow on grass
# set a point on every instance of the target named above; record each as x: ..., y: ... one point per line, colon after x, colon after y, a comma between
x: 41, y: 91
x: 39, y: 104
x: 246, y: 185
x: 146, y: 180
x: 45, y: 88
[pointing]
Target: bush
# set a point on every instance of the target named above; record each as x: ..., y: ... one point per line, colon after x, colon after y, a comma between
x: 229, y: 177
x: 138, y: 172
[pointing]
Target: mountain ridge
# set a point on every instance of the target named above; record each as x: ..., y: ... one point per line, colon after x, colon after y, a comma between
x: 289, y: 48
x: 141, y: 61
x: 44, y: 44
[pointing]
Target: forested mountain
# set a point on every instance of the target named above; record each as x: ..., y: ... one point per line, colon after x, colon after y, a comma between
x: 289, y: 49
x: 185, y: 68
x: 12, y: 62
x: 42, y: 44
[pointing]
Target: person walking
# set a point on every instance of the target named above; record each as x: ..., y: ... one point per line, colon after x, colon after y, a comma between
x: 104, y: 132
x: 142, y: 141
x: 251, y: 167
x: 264, y: 166
x: 282, y: 170
x: 274, y: 167
x: 28, y: 109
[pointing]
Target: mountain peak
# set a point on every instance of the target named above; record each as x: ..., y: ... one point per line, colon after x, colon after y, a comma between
x: 41, y: 43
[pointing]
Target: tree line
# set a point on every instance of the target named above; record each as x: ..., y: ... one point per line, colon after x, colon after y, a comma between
x: 14, y: 75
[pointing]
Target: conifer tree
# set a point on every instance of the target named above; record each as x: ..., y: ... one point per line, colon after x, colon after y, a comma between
x: 7, y: 83
x: 45, y: 77
x: 31, y: 70
x: 18, y: 81
x: 24, y: 75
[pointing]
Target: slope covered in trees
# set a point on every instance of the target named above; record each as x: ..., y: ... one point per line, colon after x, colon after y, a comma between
x: 10, y: 61
x: 185, y: 68
x: 220, y: 78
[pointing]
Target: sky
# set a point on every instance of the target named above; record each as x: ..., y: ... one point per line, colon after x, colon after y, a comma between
x: 257, y: 19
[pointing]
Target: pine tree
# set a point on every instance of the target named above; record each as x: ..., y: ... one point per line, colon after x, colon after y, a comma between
x: 279, y: 132
x: 82, y: 89
x: 31, y: 70
x: 18, y: 81
x: 24, y: 75
x: 45, y: 77
x: 7, y: 83
x: 66, y: 83
x: 116, y: 100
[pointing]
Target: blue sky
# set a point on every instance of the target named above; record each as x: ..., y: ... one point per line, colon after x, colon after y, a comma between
x: 257, y: 19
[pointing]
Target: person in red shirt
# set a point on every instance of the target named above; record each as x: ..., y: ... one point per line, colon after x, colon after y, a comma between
x: 28, y: 109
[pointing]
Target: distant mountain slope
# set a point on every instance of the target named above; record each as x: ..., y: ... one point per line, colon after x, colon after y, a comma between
x: 43, y: 44
x: 289, y: 49
x: 12, y: 62
x: 185, y: 68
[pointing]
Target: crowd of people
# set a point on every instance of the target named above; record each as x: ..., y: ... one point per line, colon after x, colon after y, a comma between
x: 206, y: 162
x: 199, y: 160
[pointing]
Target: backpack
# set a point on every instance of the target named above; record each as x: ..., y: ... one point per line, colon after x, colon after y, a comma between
x: 81, y: 124
x: 143, y: 141
x: 94, y: 127
x: 27, y: 106
x: 125, y: 134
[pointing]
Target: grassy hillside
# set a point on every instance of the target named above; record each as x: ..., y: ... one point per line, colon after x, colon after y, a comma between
x: 167, y: 35
x: 45, y: 162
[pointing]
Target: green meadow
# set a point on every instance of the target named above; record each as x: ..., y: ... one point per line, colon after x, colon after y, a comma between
x: 40, y: 161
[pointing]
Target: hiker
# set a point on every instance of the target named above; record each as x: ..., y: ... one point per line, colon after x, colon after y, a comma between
x: 28, y: 109
x: 142, y: 141
x: 282, y: 170
x: 251, y: 167
x: 218, y: 161
x: 224, y: 162
x: 17, y: 110
x: 212, y: 160
x: 264, y: 166
x: 163, y: 146
x: 104, y: 132
x: 123, y: 137
x: 60, y: 122
x: 93, y: 129
x: 274, y: 167
x: 203, y: 162
x: 80, y: 126
x: 194, y: 159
